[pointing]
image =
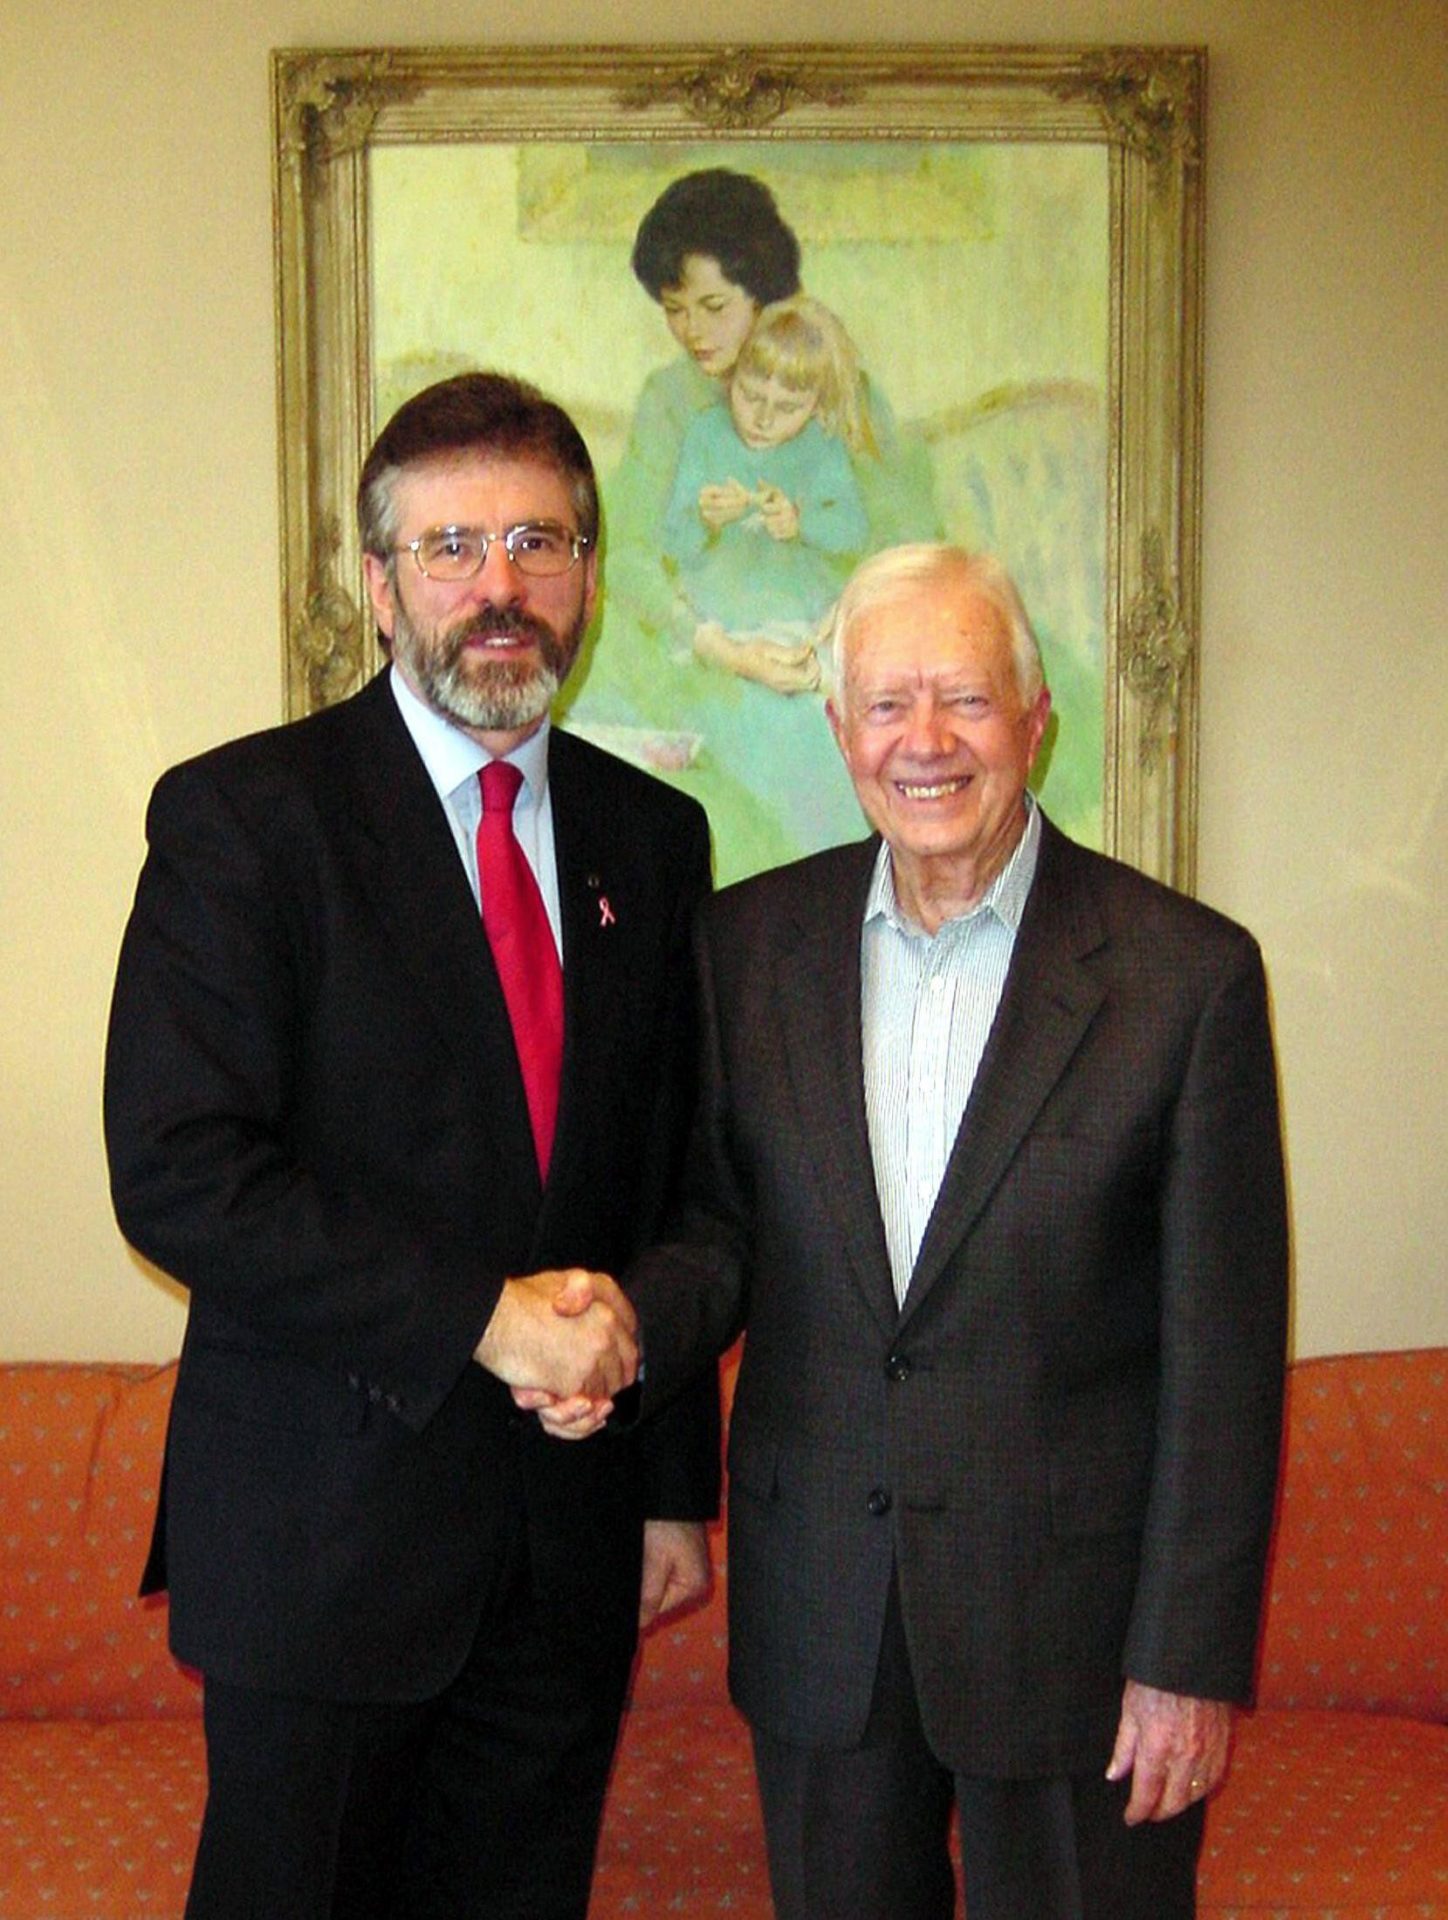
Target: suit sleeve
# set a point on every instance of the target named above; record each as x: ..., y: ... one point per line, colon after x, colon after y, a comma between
x: 690, y: 1289
x: 680, y: 1433
x: 1224, y: 1253
x: 204, y: 1127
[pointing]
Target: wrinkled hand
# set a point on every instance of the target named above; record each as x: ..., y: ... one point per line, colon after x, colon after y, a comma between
x: 1173, y: 1746
x: 779, y: 514
x: 567, y: 1333
x: 578, y: 1418
x: 719, y: 505
x: 677, y: 1571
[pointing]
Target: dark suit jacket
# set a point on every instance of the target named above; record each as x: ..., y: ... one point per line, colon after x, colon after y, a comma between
x: 1066, y: 1441
x: 316, y: 1122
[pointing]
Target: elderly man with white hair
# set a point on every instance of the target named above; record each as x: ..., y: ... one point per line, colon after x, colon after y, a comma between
x: 988, y: 1166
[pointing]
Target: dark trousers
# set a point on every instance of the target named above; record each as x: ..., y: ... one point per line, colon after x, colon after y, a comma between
x: 863, y: 1835
x: 483, y: 1804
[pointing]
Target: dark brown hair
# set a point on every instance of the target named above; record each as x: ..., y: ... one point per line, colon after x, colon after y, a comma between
x: 727, y: 217
x: 484, y: 413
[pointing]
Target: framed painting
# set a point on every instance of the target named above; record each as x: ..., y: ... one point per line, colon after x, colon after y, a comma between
x: 962, y: 284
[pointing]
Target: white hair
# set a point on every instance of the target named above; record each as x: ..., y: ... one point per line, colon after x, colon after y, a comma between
x: 887, y: 575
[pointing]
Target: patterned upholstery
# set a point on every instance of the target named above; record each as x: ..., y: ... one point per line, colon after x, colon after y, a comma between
x: 101, y: 1760
x: 1336, y: 1807
x: 79, y: 1449
x: 1337, y: 1801
x: 99, y: 1817
x: 1329, y: 1814
x: 1358, y: 1612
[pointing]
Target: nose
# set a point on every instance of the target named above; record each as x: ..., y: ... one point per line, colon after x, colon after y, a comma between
x: 497, y: 580
x: 927, y: 733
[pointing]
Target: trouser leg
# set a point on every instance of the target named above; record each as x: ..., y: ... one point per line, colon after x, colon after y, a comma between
x: 1060, y: 1850
x: 510, y: 1790
x: 307, y: 1804
x: 862, y: 1834
x: 481, y: 1804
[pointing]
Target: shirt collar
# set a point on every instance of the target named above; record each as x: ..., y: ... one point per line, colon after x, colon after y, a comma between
x: 1005, y: 897
x: 453, y: 758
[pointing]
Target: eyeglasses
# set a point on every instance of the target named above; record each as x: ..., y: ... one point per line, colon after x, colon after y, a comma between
x: 540, y: 548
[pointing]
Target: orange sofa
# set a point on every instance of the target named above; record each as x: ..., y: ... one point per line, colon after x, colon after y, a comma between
x: 1337, y: 1804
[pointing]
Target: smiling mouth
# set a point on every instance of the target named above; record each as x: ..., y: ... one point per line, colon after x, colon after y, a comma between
x: 499, y: 631
x: 932, y: 789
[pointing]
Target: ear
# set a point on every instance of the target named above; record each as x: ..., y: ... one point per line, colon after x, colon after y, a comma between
x: 837, y: 726
x: 1036, y: 722
x: 379, y: 592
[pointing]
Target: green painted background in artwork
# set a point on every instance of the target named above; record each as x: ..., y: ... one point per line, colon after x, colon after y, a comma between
x: 974, y: 282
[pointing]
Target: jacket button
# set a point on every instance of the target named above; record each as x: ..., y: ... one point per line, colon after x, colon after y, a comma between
x: 897, y: 1367
x: 878, y: 1502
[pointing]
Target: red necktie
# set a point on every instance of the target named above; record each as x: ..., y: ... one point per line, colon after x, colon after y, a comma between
x: 524, y: 951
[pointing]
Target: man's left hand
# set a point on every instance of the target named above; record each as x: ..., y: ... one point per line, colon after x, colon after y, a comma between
x: 676, y: 1567
x: 1173, y: 1746
x: 576, y: 1419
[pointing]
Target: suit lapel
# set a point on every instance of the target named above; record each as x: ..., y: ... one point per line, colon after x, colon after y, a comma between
x: 595, y: 947
x: 819, y: 1016
x: 1049, y: 1002
x: 408, y: 863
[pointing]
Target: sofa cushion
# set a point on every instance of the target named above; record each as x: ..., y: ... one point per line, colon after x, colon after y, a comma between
x: 1329, y: 1814
x: 98, y: 1819
x: 1357, y: 1610
x: 80, y: 1448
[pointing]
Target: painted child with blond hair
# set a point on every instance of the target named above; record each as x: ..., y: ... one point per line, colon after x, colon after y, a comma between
x: 766, y: 518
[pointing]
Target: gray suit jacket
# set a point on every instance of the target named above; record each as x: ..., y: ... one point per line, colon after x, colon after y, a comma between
x: 1066, y: 1441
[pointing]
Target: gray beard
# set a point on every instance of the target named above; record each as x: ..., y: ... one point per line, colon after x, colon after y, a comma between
x: 492, y: 696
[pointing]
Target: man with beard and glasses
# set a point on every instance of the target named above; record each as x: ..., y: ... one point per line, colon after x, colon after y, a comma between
x: 397, y: 1072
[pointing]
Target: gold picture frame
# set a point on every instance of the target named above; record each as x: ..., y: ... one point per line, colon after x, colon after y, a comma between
x: 340, y: 118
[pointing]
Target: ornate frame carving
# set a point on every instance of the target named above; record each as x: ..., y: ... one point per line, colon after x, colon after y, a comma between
x: 1146, y: 105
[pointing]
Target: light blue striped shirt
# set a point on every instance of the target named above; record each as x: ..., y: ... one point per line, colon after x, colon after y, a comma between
x: 453, y: 761
x: 927, y: 1005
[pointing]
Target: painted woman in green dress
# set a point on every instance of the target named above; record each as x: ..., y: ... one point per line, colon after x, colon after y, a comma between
x: 713, y: 251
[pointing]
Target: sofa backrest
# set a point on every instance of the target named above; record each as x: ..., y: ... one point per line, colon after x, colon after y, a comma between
x: 1357, y: 1611
x: 80, y: 1454
x: 1357, y: 1606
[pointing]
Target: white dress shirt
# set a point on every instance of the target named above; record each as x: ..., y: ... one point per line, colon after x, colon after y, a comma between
x: 927, y: 1006
x: 453, y: 761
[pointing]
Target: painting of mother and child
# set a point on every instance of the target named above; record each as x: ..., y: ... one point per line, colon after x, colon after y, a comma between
x: 915, y: 350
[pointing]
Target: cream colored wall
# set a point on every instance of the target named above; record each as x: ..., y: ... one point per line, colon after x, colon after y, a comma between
x: 137, y: 462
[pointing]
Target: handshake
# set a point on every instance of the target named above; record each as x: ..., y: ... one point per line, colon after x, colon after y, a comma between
x: 566, y: 1342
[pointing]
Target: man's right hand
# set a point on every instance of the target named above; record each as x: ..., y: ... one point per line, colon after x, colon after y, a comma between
x: 569, y: 1333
